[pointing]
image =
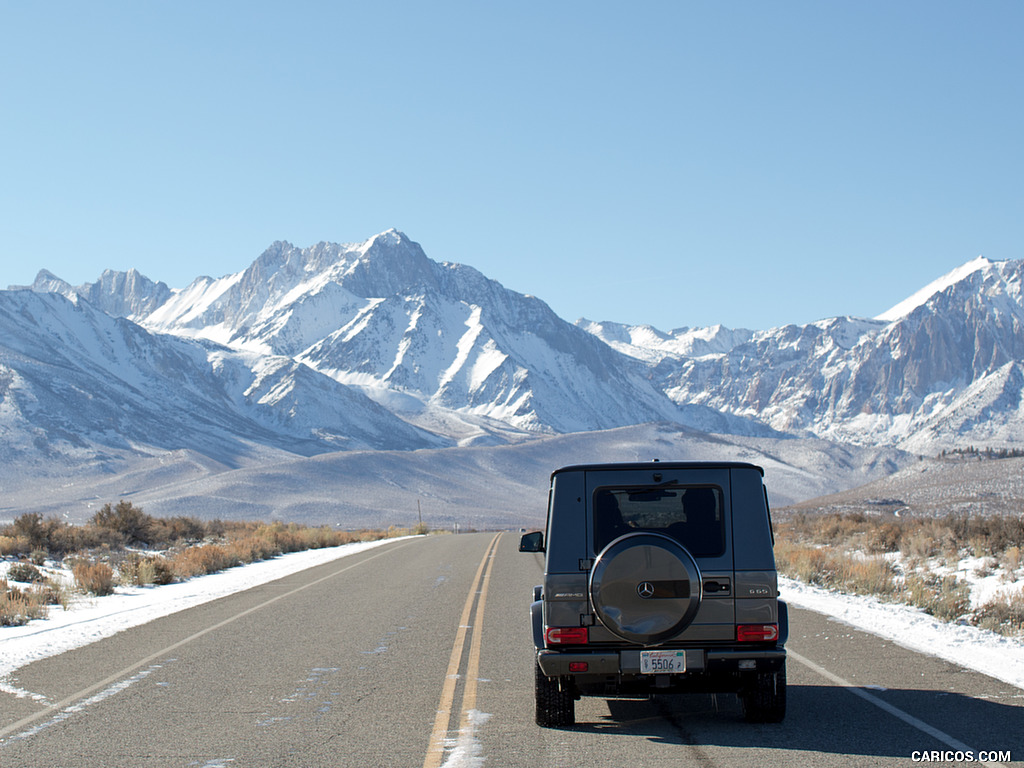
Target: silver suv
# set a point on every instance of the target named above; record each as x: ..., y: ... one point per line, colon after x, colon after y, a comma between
x: 658, y: 578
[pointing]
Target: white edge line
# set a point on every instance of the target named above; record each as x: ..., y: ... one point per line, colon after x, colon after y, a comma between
x: 885, y: 706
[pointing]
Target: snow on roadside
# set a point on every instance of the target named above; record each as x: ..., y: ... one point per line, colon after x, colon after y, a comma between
x: 978, y: 649
x: 92, y: 619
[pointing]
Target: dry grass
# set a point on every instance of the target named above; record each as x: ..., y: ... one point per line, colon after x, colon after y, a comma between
x: 12, y: 546
x: 144, y: 570
x: 19, y: 606
x: 25, y: 572
x: 847, y: 552
x: 94, y: 578
x: 1004, y: 613
x: 944, y: 597
x: 834, y: 569
x: 200, y: 561
x: 922, y: 537
x: 252, y: 542
x: 1011, y: 560
x: 97, y: 555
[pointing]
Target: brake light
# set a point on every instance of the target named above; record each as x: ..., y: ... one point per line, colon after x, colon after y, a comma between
x: 757, y: 633
x: 566, y: 635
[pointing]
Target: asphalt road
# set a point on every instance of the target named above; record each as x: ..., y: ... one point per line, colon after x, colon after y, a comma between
x: 419, y: 654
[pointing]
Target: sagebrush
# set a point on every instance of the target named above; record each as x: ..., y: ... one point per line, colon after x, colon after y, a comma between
x: 856, y: 553
x: 118, y: 546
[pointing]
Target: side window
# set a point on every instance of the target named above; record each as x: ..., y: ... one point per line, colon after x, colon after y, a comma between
x: 692, y: 515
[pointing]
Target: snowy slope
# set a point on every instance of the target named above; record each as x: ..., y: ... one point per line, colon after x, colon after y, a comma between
x: 917, y: 299
x: 79, y: 384
x: 476, y: 486
x: 647, y: 343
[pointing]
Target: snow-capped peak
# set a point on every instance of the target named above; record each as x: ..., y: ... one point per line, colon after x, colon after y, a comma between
x: 911, y: 303
x: 390, y: 237
x: 46, y: 282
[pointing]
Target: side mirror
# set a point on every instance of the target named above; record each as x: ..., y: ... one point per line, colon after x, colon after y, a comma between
x: 532, y: 542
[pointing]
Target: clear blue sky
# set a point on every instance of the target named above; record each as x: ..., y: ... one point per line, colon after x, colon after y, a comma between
x: 676, y: 163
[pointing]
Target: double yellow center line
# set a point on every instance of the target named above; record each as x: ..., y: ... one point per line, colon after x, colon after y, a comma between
x: 442, y: 723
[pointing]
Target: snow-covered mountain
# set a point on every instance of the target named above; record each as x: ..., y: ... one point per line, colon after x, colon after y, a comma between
x: 374, y: 346
x: 77, y: 383
x: 438, y: 343
x: 943, y: 368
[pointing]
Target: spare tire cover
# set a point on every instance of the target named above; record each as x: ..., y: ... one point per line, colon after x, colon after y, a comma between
x: 645, y: 587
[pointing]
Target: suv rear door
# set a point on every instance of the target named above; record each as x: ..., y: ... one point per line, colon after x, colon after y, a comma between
x: 626, y: 493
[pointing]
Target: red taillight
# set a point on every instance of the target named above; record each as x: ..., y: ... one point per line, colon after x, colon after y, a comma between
x: 566, y: 635
x: 757, y: 633
x: 578, y: 666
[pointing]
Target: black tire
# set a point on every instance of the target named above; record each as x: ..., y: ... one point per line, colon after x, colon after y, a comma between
x: 764, y: 701
x: 556, y: 702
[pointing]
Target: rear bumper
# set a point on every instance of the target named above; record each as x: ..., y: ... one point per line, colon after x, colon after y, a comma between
x: 557, y: 663
x: 739, y: 660
x: 626, y: 663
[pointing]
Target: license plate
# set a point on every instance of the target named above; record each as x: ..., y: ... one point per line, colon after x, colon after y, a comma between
x: 662, y: 662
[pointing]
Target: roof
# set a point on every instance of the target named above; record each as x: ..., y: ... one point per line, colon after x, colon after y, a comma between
x: 657, y: 464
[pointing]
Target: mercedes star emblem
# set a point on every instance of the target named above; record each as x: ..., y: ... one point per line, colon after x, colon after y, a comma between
x: 645, y: 589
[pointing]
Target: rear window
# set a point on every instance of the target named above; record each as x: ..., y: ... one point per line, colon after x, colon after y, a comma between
x: 692, y: 515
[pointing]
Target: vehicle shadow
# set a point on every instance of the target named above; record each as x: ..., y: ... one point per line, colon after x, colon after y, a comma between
x: 823, y: 719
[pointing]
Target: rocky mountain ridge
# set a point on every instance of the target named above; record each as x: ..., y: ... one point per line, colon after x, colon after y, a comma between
x: 940, y: 370
x: 374, y: 345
